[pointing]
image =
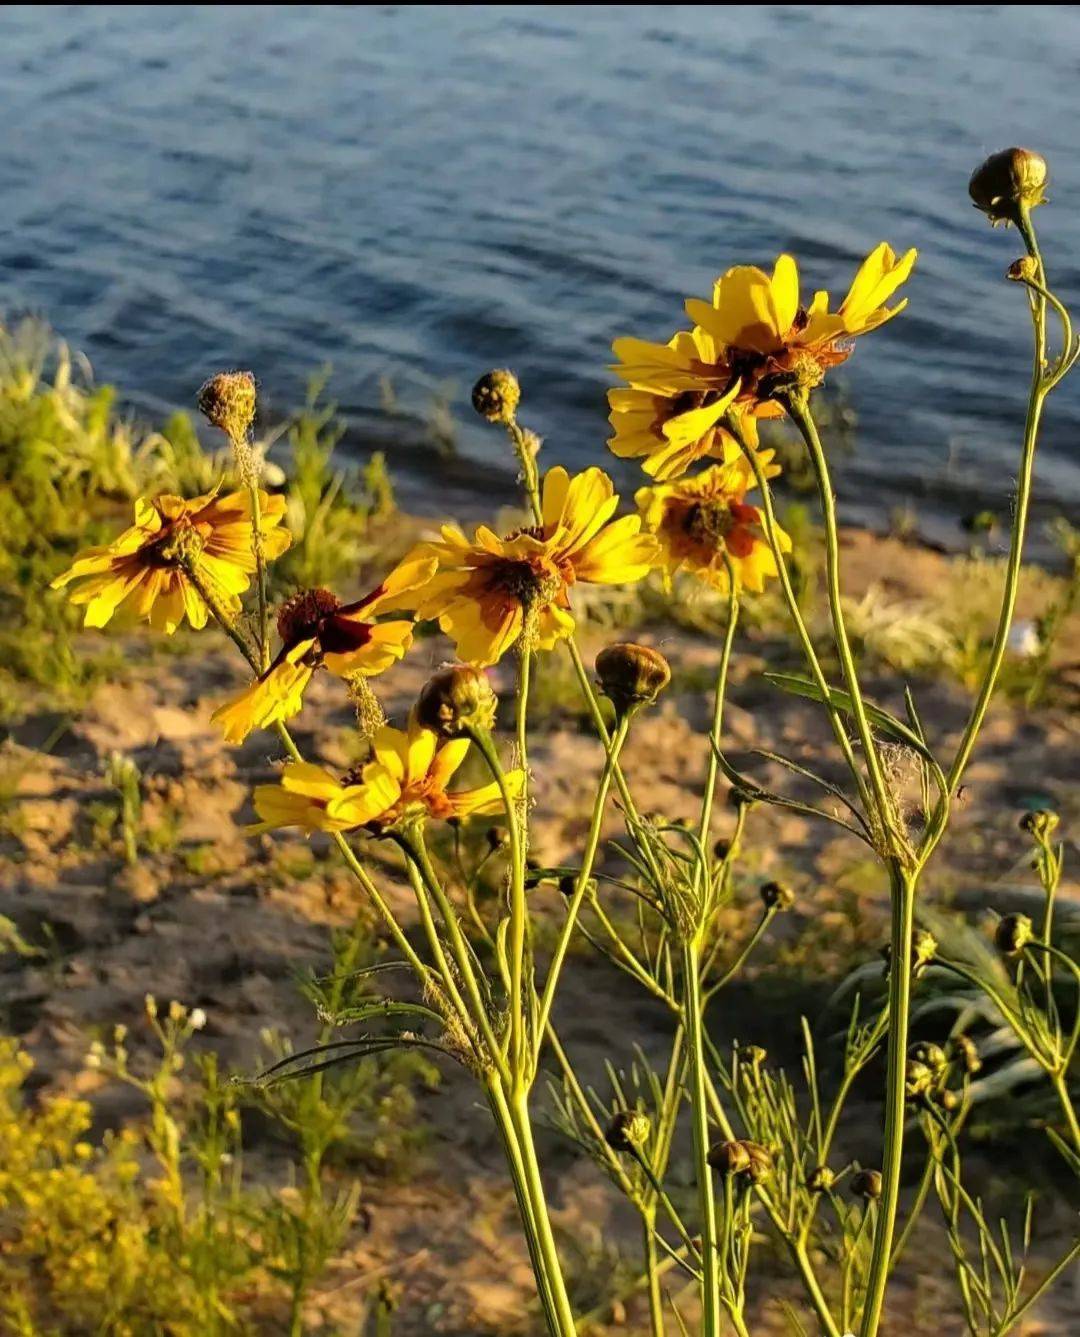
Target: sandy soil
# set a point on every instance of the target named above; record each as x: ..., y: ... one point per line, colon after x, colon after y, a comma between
x: 230, y: 936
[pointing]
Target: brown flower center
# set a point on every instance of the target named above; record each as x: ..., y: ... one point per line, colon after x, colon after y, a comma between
x: 301, y: 615
x: 709, y: 522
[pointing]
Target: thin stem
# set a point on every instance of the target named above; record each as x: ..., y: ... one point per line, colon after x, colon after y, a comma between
x: 719, y: 695
x: 694, y: 1021
x: 903, y: 925
x: 799, y: 411
x: 588, y: 858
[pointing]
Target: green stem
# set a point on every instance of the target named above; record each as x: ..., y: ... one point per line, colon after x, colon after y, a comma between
x: 588, y: 859
x: 519, y: 909
x: 903, y: 886
x: 799, y: 410
x: 1062, y: 1090
x: 693, y: 1011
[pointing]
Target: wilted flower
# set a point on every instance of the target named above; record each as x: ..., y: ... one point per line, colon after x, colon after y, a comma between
x: 176, y: 552
x: 318, y: 631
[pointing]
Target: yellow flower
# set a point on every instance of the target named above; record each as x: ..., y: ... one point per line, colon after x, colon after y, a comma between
x: 317, y: 629
x: 703, y: 523
x: 487, y: 591
x: 766, y: 333
x: 406, y: 777
x: 175, y: 548
x: 669, y: 413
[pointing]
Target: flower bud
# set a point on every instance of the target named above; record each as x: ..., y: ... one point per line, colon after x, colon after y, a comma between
x: 1013, y: 933
x: 761, y: 1161
x: 1008, y: 183
x: 227, y: 401
x: 631, y: 675
x: 918, y: 1079
x: 966, y: 1053
x: 454, y: 697
x: 729, y: 1158
x: 497, y: 395
x: 776, y: 896
x: 721, y: 850
x: 821, y: 1179
x: 1041, y: 823
x: 1023, y: 270
x: 933, y: 1056
x: 497, y: 837
x: 628, y: 1131
x: 866, y: 1184
x: 948, y: 1100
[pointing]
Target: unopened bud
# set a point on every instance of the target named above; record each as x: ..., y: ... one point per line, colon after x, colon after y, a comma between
x: 1008, y: 183
x: 918, y: 1079
x: 821, y: 1179
x: 497, y: 395
x: 866, y: 1184
x: 729, y: 1158
x: 1041, y: 823
x: 1023, y: 270
x: 227, y: 401
x: 631, y: 675
x: 454, y: 697
x: 497, y: 837
x: 628, y: 1131
x: 776, y: 896
x: 966, y: 1052
x: 1013, y: 933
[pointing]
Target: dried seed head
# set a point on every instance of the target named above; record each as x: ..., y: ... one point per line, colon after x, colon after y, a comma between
x: 301, y: 615
x: 1013, y: 933
x: 497, y: 395
x: 628, y: 1131
x: 456, y: 696
x: 1041, y: 823
x: 631, y: 675
x: 866, y: 1184
x: 1008, y: 183
x: 776, y: 896
x: 227, y: 401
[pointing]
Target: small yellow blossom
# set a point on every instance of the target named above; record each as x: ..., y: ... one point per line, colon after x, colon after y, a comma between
x: 406, y: 776
x: 485, y: 593
x: 703, y: 524
x: 176, y: 551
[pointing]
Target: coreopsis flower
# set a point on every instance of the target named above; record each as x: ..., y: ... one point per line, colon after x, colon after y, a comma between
x: 704, y: 523
x: 176, y: 552
x: 669, y: 414
x: 406, y: 777
x: 318, y: 630
x: 488, y: 591
x: 772, y: 340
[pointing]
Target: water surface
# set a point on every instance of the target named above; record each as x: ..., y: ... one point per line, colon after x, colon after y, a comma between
x: 416, y: 194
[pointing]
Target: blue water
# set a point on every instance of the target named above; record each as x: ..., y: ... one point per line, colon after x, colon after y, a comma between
x: 419, y: 193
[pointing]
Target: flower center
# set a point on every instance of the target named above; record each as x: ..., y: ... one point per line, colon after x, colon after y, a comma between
x: 300, y: 616
x: 531, y: 583
x: 177, y: 543
x: 709, y: 522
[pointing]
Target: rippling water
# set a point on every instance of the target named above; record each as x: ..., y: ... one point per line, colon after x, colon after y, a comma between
x: 419, y: 193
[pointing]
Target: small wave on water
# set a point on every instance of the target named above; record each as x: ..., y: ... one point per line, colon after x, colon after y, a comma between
x: 415, y: 194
